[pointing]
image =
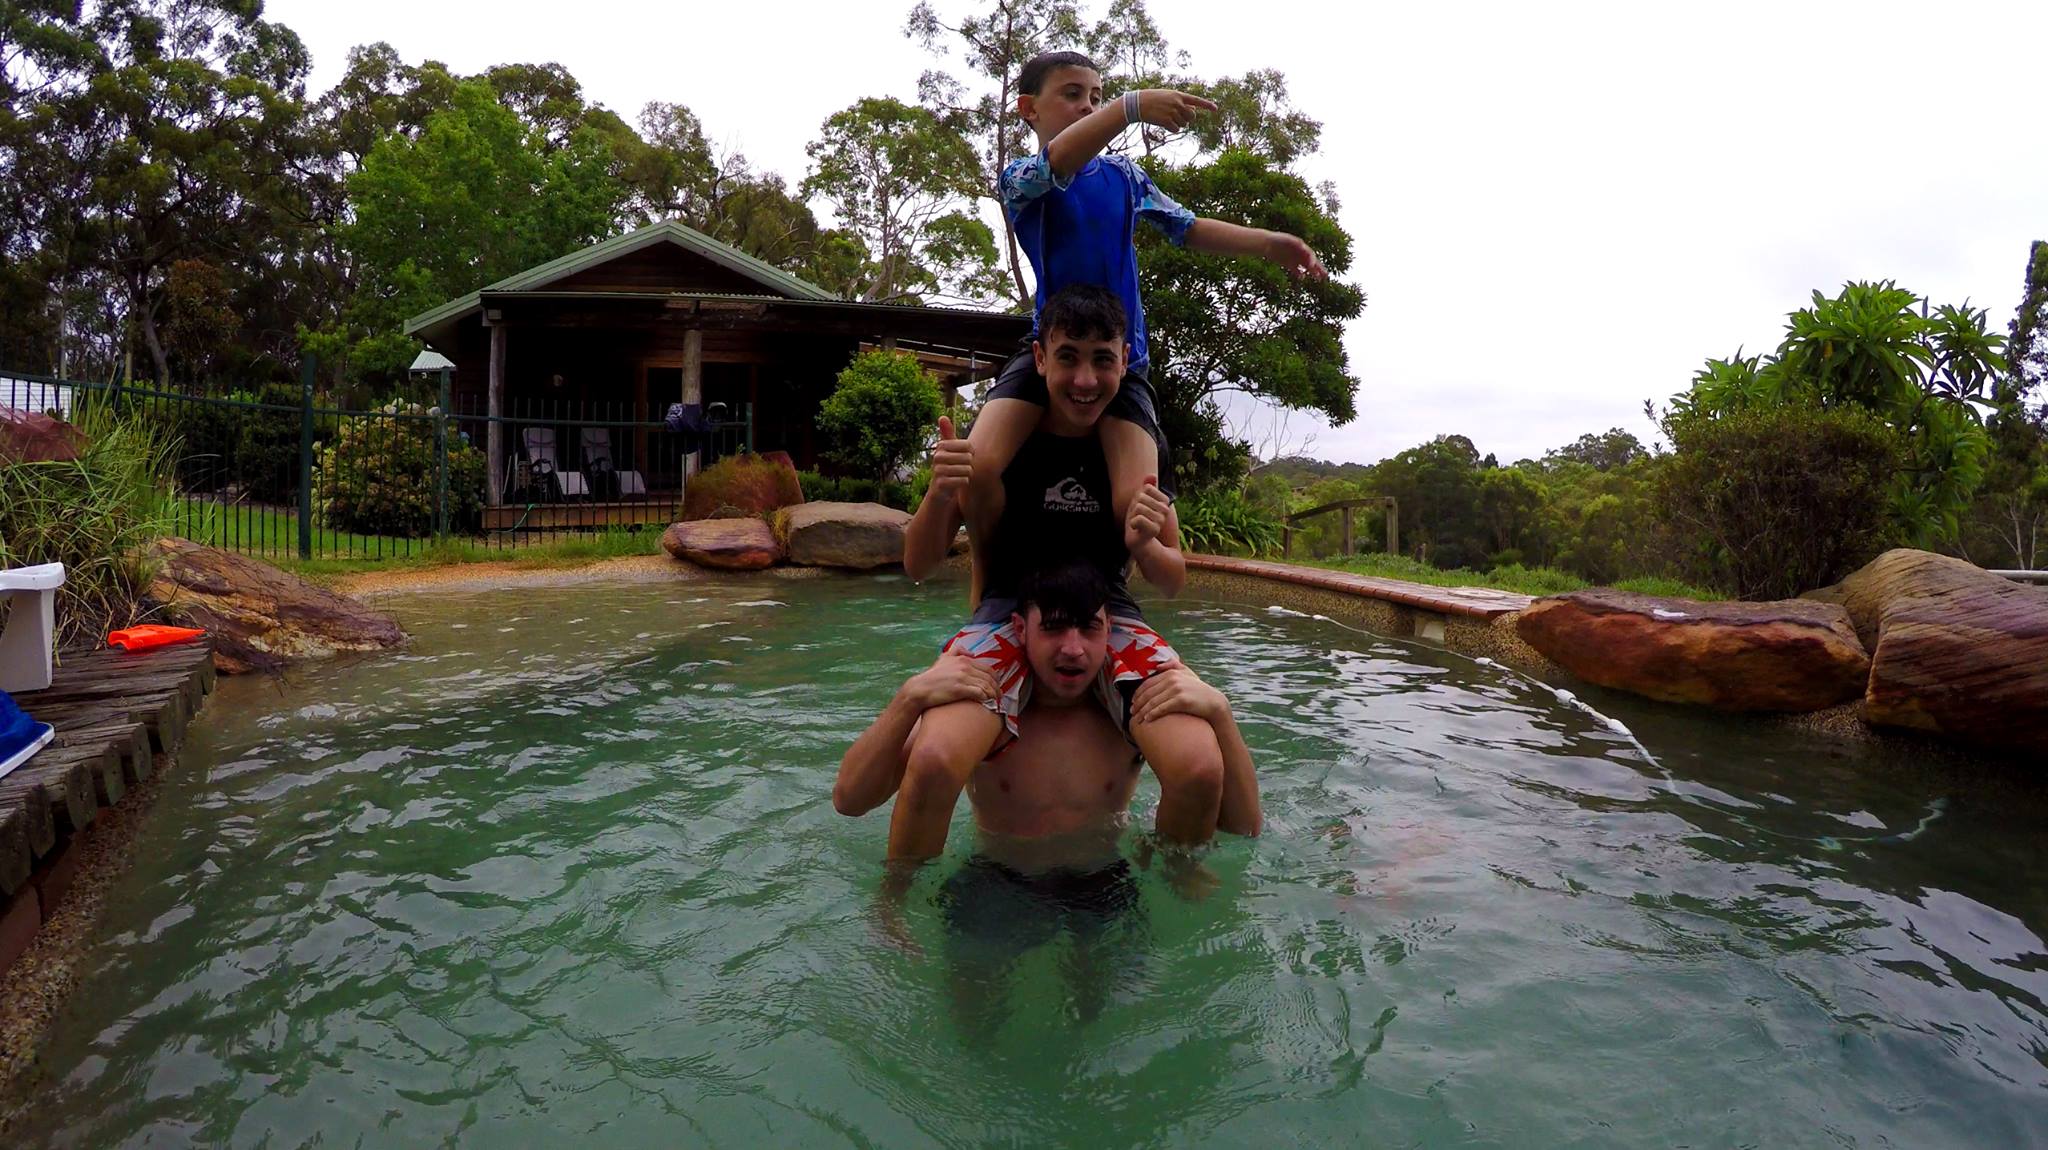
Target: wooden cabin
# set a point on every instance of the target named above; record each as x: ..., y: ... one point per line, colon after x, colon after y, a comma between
x: 611, y: 335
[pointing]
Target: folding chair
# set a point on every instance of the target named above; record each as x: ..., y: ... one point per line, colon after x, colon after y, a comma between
x: 545, y: 465
x: 603, y: 469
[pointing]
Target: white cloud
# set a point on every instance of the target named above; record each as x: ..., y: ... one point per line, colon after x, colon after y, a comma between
x: 1559, y: 210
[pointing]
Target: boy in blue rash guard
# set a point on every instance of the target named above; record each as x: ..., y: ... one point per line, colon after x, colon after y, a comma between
x: 1075, y: 209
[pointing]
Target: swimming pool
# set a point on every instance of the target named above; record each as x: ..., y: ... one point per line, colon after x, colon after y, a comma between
x: 569, y: 867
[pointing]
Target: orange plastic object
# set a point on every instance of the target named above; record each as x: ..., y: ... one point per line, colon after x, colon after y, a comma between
x: 151, y: 635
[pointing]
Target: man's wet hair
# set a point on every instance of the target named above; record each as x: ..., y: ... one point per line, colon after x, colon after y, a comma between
x: 1031, y: 80
x: 1084, y: 311
x: 1066, y: 595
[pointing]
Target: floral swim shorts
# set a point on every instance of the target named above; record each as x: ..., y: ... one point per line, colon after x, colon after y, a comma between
x: 1136, y: 653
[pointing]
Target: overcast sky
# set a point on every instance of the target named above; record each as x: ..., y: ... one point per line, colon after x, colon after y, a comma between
x: 1559, y: 209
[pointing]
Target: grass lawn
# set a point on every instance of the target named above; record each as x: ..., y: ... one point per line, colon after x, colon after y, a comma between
x: 273, y: 535
x: 1526, y: 580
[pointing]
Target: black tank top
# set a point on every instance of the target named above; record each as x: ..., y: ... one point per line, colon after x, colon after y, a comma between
x: 1056, y: 507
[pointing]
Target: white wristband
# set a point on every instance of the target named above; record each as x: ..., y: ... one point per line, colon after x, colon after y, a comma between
x: 1130, y: 108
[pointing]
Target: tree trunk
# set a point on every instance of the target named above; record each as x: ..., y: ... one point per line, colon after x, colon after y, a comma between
x: 150, y: 339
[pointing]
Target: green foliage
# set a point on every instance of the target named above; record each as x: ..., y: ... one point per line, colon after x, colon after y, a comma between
x: 233, y: 443
x: 375, y: 475
x: 1219, y: 324
x: 903, y: 183
x: 98, y: 515
x: 833, y: 489
x: 1879, y: 348
x: 883, y: 411
x: 1221, y: 521
x: 1779, y: 500
x: 475, y: 196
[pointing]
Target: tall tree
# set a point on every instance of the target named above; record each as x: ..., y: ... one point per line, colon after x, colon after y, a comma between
x: 904, y: 185
x: 994, y: 42
x: 1221, y: 326
x: 477, y: 196
x: 154, y: 132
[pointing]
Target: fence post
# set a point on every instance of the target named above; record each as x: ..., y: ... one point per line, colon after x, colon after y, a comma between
x: 1348, y: 549
x: 441, y: 463
x: 308, y: 366
x: 1393, y: 526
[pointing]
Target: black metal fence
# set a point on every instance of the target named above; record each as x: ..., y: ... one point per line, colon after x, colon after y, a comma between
x: 272, y: 471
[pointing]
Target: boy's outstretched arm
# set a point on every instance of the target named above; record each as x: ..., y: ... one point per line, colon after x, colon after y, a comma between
x: 1180, y: 691
x: 1084, y: 139
x: 1220, y: 237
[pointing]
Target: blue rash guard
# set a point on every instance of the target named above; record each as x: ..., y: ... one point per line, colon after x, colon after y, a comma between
x: 1081, y: 231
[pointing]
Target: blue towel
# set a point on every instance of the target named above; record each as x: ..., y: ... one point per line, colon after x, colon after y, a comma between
x: 20, y: 736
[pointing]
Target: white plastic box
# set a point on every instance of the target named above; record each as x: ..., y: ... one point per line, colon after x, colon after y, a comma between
x: 30, y: 637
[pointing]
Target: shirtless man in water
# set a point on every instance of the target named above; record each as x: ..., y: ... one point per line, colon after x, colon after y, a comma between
x: 1050, y: 806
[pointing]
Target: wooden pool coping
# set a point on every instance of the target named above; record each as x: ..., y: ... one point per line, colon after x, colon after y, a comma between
x: 1483, y: 603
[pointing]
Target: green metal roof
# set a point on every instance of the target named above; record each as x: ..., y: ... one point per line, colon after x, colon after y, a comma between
x: 779, y: 282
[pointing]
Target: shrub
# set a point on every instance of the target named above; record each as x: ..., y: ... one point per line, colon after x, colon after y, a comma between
x: 882, y: 413
x: 739, y: 486
x: 830, y: 489
x: 1769, y: 502
x: 376, y: 476
x: 98, y: 515
x: 1221, y: 521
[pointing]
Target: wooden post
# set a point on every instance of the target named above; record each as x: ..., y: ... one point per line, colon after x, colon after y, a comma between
x: 1348, y: 549
x: 1287, y: 539
x: 494, y: 407
x: 1393, y: 526
x: 693, y: 385
x: 640, y: 416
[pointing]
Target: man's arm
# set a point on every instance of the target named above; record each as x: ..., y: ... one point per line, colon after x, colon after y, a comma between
x: 1180, y: 691
x: 872, y: 768
x: 1219, y: 237
x: 929, y: 535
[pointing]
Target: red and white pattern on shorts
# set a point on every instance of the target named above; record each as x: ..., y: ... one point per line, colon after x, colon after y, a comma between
x: 1136, y: 653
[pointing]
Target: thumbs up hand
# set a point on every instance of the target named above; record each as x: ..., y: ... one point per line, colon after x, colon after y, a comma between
x: 1147, y: 517
x: 952, y: 464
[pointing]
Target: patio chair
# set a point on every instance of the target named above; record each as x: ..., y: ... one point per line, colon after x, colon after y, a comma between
x: 31, y: 629
x: 605, y: 473
x: 544, y: 465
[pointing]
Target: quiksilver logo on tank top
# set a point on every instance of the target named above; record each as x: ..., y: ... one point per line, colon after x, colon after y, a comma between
x: 1069, y: 495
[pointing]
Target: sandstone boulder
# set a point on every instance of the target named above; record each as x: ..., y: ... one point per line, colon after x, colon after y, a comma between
x: 32, y: 437
x: 858, y: 535
x: 1784, y: 656
x: 260, y: 617
x: 1957, y: 651
x: 730, y: 544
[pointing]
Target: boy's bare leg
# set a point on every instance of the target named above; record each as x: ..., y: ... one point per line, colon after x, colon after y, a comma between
x: 1132, y: 454
x: 951, y: 741
x: 1184, y: 753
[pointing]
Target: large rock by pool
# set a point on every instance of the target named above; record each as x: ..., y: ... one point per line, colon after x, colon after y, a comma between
x: 730, y: 544
x: 1782, y: 656
x: 1957, y: 651
x: 857, y: 535
x: 260, y: 617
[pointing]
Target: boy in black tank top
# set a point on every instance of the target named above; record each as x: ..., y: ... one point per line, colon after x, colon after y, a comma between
x: 1057, y: 507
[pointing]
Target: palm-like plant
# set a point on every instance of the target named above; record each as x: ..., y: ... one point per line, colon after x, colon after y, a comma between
x: 1924, y: 371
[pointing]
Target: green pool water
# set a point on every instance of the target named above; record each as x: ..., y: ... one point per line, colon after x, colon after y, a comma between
x: 568, y: 869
